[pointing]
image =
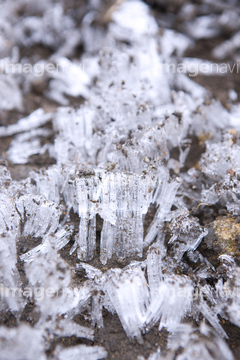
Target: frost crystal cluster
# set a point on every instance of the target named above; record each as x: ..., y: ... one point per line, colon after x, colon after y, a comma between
x: 119, y: 184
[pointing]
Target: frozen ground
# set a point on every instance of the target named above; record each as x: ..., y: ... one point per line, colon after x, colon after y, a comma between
x: 120, y: 180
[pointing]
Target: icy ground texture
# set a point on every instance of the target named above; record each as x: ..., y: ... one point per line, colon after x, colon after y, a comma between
x: 121, y: 187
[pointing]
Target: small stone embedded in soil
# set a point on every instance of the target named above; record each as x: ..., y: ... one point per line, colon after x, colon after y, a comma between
x: 224, y: 236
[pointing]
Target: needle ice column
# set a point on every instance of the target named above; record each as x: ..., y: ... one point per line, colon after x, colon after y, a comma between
x: 121, y: 200
x: 128, y: 196
x: 129, y: 294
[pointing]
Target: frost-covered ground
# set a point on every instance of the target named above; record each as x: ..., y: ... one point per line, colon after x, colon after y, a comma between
x: 120, y: 181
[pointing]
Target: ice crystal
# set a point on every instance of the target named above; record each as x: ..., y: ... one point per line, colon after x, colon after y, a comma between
x: 11, y: 296
x: 71, y: 81
x: 81, y: 352
x: 36, y: 119
x: 180, y: 228
x: 10, y: 85
x: 67, y: 329
x: 171, y: 302
x: 205, y: 344
x: 27, y: 144
x: 228, y: 297
x: 24, y: 341
x: 41, y: 217
x: 129, y: 294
